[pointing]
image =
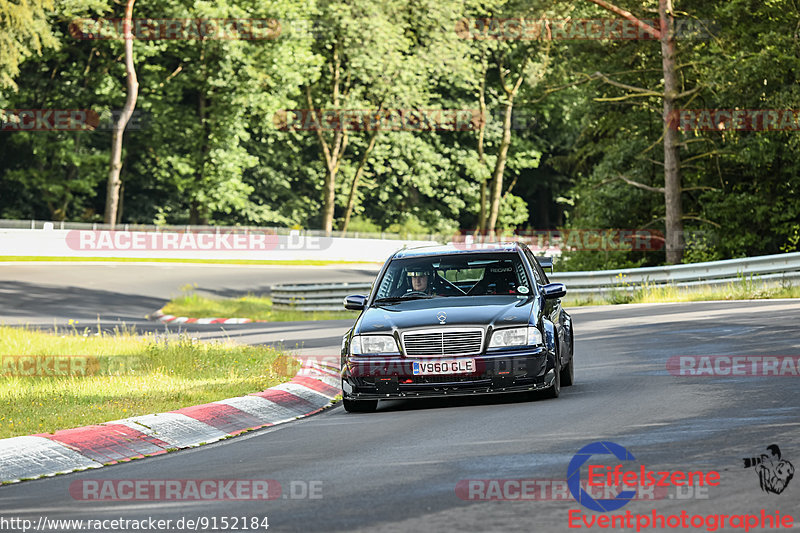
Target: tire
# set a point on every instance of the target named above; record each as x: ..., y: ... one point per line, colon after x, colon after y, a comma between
x: 568, y: 374
x: 360, y: 406
x: 555, y: 389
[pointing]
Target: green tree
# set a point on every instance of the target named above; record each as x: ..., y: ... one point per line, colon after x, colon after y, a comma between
x: 132, y: 85
x: 383, y: 69
x: 24, y: 32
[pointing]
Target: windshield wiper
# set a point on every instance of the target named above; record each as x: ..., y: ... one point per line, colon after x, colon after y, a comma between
x: 403, y: 298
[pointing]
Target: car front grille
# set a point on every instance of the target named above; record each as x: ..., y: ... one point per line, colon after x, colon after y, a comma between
x: 443, y: 342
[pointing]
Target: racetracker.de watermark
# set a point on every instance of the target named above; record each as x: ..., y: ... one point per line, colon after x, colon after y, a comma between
x: 152, y: 29
x: 723, y: 120
x: 378, y: 119
x: 194, y: 490
x: 558, y: 490
x: 245, y: 240
x: 67, y: 120
x: 546, y: 29
x: 398, y: 119
x: 40, y: 366
x: 148, y: 523
x: 639, y: 240
x: 736, y: 365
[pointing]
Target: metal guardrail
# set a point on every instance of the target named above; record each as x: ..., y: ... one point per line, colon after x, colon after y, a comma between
x: 315, y: 296
x: 766, y: 268
x: 780, y: 268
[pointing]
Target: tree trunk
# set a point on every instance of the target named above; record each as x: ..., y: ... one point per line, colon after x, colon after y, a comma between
x: 672, y: 164
x: 482, y: 212
x: 502, y: 152
x: 112, y: 192
x: 351, y: 199
x: 481, y: 230
x: 499, y: 168
x: 198, y: 214
x: 333, y: 158
x: 331, y: 153
x: 121, y: 204
x: 194, y: 213
x: 329, y: 199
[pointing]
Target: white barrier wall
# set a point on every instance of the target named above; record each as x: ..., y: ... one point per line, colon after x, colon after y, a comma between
x: 251, y: 245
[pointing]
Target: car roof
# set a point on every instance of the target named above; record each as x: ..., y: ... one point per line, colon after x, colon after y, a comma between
x: 454, y: 249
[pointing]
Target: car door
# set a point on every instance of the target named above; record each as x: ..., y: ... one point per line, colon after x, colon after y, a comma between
x: 552, y: 307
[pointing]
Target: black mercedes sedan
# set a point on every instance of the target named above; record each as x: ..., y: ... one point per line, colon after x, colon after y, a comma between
x: 450, y: 320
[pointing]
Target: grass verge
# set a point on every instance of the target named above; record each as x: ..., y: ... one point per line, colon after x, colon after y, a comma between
x: 83, y: 377
x: 742, y: 289
x: 252, y: 307
x: 299, y: 262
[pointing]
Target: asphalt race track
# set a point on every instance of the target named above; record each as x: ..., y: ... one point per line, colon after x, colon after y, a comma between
x: 42, y: 292
x: 42, y: 295
x: 398, y: 469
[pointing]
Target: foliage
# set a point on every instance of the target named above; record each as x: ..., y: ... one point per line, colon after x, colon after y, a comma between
x: 24, y: 32
x: 207, y: 148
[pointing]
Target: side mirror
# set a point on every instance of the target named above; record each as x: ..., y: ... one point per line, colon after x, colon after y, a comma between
x: 552, y: 291
x: 355, y: 302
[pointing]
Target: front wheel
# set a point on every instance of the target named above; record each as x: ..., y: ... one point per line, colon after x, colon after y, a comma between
x: 360, y: 406
x: 555, y: 388
x: 568, y: 373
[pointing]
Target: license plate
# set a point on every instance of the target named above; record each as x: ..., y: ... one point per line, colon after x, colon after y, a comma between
x: 451, y: 366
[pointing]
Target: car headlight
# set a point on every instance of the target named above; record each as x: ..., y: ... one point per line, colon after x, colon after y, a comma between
x: 527, y: 336
x: 373, y: 344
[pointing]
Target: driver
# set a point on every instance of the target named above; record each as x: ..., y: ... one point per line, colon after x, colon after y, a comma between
x: 420, y: 280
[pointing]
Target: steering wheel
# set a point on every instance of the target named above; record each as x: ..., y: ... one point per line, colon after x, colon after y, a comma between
x: 416, y: 293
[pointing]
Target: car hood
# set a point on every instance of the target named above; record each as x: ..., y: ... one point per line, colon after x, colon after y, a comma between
x: 495, y: 311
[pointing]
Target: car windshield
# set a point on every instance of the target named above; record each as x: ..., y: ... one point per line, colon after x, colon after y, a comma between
x: 454, y: 275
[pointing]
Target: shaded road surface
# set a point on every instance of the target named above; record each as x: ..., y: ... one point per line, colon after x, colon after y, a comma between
x: 41, y: 292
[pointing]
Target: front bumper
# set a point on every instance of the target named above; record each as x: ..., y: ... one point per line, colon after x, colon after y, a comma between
x: 392, y: 377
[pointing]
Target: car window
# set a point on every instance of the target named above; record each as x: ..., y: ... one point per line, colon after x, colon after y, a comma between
x: 540, y: 273
x: 537, y: 271
x: 455, y: 275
